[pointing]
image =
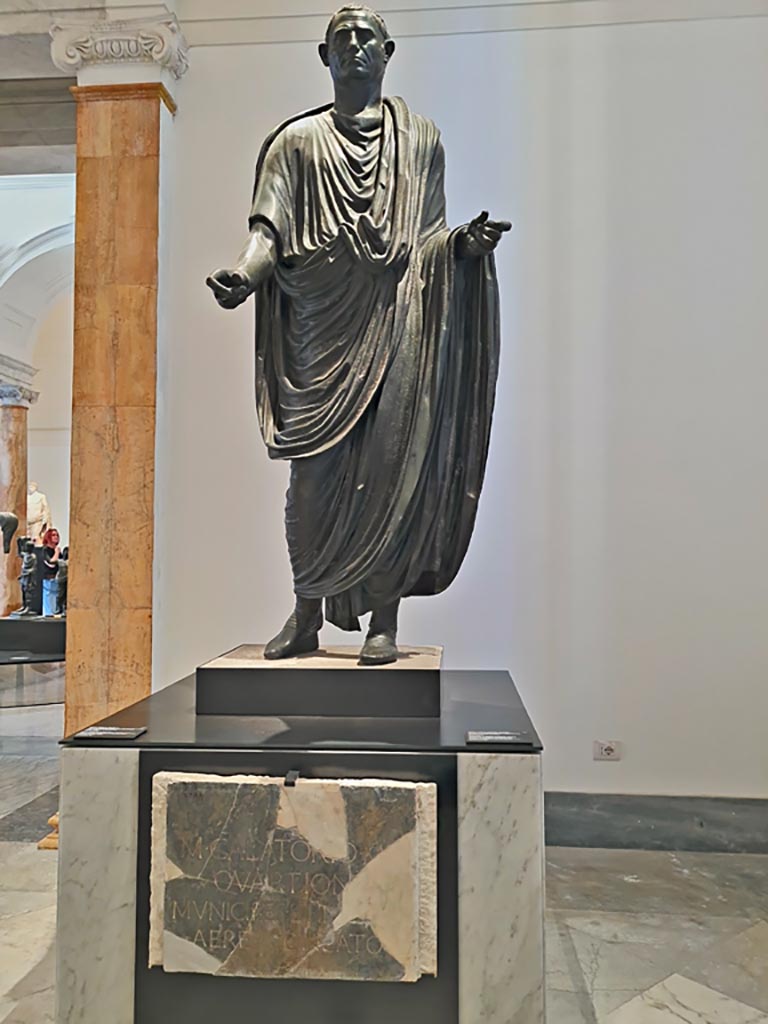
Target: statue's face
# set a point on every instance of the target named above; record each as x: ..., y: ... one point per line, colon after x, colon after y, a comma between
x: 356, y: 49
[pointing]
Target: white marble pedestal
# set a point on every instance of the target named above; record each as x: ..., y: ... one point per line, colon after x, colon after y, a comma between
x: 490, y: 892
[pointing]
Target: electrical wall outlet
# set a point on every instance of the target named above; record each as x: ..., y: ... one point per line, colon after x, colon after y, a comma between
x: 606, y: 750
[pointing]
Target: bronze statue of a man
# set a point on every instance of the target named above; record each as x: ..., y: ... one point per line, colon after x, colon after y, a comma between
x: 377, y: 340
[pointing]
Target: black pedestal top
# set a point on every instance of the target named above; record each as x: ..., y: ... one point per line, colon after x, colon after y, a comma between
x: 472, y: 702
x: 32, y: 640
x: 326, y: 684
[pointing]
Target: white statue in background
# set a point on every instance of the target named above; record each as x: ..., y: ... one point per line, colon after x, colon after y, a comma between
x: 39, y: 517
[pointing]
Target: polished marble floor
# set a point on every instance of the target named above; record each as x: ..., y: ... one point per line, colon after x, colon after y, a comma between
x: 633, y: 937
x: 636, y: 937
x: 31, y: 684
x: 28, y: 781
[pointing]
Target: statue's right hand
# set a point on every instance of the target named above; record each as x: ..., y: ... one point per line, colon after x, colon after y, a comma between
x: 230, y: 287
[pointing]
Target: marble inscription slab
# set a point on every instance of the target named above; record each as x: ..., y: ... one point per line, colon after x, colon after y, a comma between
x: 327, y: 879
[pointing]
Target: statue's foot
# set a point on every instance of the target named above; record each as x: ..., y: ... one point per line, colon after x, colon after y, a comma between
x: 299, y: 634
x: 379, y: 649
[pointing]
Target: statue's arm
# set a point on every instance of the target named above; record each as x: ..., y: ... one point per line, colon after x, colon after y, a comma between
x: 255, y: 263
x: 480, y: 237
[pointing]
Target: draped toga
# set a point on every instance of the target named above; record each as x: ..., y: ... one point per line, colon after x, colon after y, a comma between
x: 376, y: 358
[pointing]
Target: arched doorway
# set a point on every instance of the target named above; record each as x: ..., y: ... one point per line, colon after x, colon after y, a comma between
x: 36, y: 297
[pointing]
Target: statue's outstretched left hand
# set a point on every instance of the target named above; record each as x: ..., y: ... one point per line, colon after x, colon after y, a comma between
x: 480, y: 237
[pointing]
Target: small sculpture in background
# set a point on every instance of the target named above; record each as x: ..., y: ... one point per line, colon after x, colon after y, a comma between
x: 28, y: 578
x: 62, y: 577
x: 9, y: 524
x: 39, y: 517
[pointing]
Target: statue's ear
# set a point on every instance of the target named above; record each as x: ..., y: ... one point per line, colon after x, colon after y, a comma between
x: 389, y: 48
x: 323, y: 51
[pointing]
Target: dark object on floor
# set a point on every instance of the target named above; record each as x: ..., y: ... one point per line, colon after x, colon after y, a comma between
x: 28, y: 823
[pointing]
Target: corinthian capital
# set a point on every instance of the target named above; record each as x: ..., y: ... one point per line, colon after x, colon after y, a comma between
x: 78, y: 45
x: 16, y: 394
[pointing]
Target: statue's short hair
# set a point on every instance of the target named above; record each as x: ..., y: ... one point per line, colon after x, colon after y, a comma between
x: 374, y: 16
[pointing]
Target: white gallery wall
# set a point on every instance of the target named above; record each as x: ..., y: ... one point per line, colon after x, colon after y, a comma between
x: 619, y: 567
x: 50, y: 418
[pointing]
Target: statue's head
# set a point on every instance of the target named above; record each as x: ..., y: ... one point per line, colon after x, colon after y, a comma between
x: 357, y: 45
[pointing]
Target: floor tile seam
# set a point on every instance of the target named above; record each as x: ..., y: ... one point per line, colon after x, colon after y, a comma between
x: 32, y: 822
x: 26, y: 799
x: 11, y: 812
x: 24, y: 894
x: 754, y: 916
x: 27, y: 754
x: 21, y: 738
x: 49, y: 765
x: 45, y: 918
x: 51, y: 888
x: 31, y: 834
x: 657, y: 915
x: 48, y: 782
x: 744, y: 925
x: 9, y: 918
x: 631, y: 993
x: 578, y: 980
x: 715, y: 938
x: 724, y: 940
x: 53, y: 756
x: 33, y: 711
x: 33, y: 991
x: 20, y: 712
x: 46, y: 792
x: 48, y: 742
x: 724, y: 995
x: 8, y: 808
x: 18, y: 777
x: 13, y: 1009
x: 713, y: 988
x: 697, y: 859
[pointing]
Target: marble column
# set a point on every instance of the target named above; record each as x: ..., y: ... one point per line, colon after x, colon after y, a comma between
x: 15, y: 400
x: 124, y: 72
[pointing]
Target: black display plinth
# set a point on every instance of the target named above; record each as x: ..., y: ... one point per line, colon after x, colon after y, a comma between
x: 471, y: 702
x: 328, y: 683
x: 32, y: 639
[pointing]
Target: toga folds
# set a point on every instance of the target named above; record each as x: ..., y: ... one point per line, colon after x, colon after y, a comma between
x: 376, y: 358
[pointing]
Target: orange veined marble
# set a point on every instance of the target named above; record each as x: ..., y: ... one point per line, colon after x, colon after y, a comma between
x: 13, y: 495
x: 109, y: 638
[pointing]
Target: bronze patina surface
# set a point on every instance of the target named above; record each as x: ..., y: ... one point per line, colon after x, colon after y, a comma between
x: 377, y: 344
